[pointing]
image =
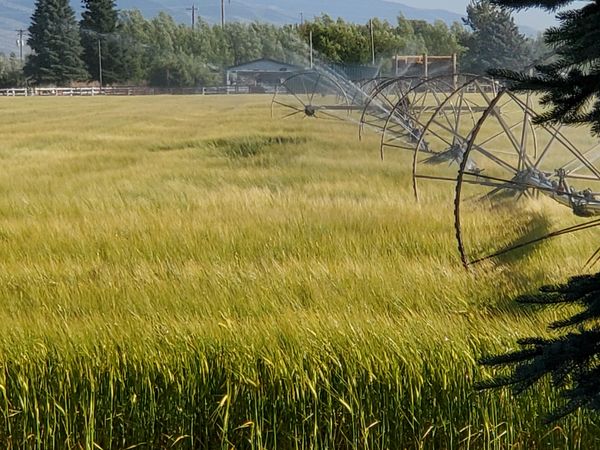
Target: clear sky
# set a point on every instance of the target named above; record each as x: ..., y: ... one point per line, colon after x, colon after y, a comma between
x: 535, y: 18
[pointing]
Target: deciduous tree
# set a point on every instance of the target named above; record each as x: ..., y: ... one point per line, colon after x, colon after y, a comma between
x: 11, y: 71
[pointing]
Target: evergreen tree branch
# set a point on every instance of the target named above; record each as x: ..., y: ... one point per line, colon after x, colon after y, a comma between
x: 549, y: 5
x: 571, y: 361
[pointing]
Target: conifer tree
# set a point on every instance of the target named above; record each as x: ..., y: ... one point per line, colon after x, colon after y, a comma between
x: 101, y: 41
x: 54, y: 40
x: 571, y: 360
x: 495, y: 40
x: 570, y: 88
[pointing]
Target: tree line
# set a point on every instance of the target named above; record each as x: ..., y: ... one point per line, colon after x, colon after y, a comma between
x: 124, y: 47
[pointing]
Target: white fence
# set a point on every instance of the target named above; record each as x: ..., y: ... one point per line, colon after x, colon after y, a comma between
x: 14, y: 92
x: 127, y: 90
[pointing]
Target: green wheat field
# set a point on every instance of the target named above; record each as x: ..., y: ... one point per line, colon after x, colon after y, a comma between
x: 187, y: 272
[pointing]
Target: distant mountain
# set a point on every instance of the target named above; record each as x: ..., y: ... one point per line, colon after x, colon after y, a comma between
x: 15, y: 14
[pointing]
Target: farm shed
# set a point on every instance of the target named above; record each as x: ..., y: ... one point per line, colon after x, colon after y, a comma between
x: 263, y: 73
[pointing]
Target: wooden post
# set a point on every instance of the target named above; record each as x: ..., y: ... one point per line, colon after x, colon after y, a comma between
x: 425, y: 66
x: 455, y: 71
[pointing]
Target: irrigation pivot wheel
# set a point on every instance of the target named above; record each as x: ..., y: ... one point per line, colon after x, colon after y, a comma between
x: 440, y: 146
x: 313, y: 94
x: 381, y: 99
x: 406, y: 120
x: 366, y: 88
x: 519, y: 185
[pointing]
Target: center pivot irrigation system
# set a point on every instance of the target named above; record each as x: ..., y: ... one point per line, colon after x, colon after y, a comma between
x: 470, y: 131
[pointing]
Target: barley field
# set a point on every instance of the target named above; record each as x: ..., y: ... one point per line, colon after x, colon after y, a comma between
x: 186, y: 272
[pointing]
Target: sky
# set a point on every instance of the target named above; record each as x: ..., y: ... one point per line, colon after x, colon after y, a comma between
x: 535, y: 18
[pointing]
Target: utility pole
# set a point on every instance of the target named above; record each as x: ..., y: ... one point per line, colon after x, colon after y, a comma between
x: 310, y: 37
x: 372, y: 40
x: 20, y: 43
x: 100, y: 64
x: 222, y: 13
x: 193, y: 9
x: 301, y: 18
